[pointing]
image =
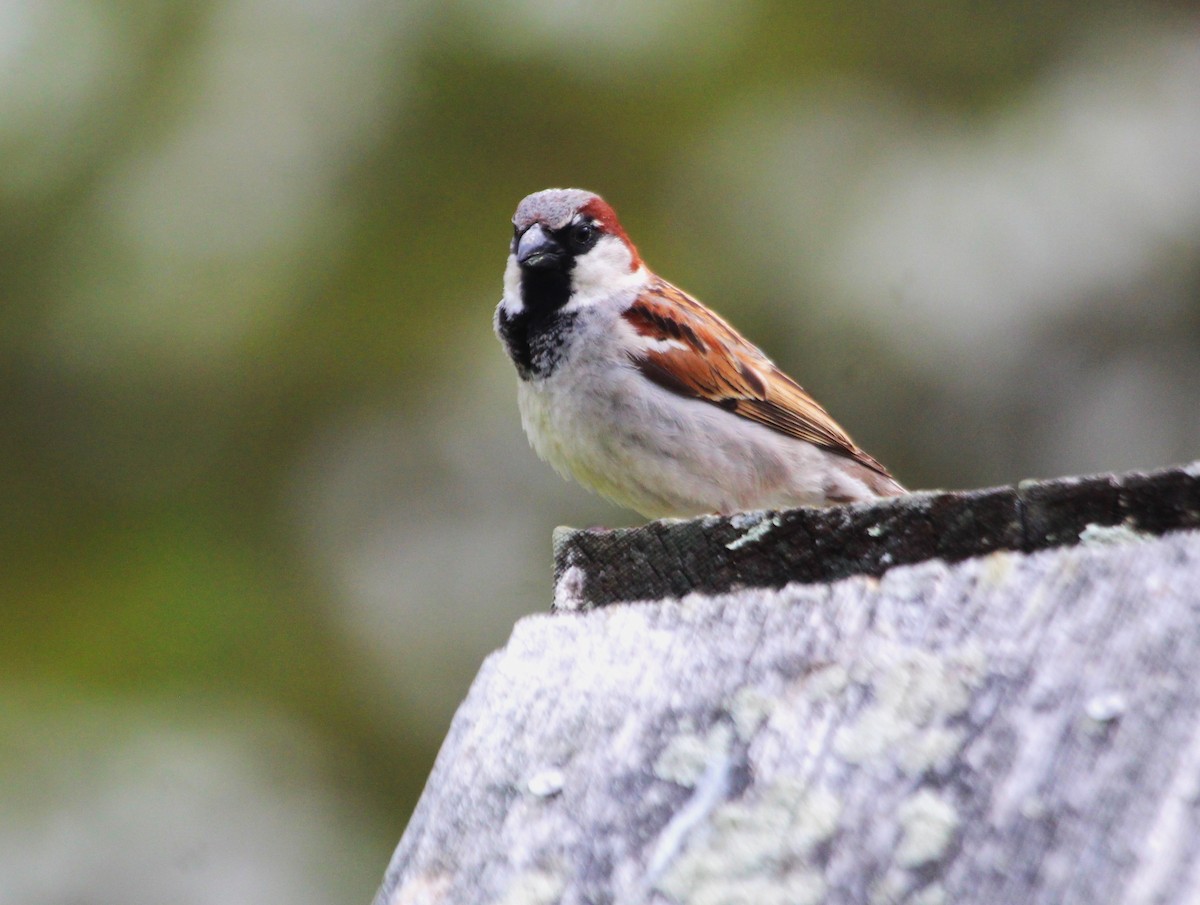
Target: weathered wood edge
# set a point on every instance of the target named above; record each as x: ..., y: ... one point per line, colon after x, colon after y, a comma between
x: 713, y: 555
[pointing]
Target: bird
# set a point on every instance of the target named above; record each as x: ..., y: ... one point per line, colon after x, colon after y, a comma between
x: 638, y: 391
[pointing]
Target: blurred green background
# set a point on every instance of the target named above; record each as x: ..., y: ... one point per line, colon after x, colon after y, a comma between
x: 266, y: 499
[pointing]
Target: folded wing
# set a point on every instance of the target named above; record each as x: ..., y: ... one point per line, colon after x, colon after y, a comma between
x: 691, y: 351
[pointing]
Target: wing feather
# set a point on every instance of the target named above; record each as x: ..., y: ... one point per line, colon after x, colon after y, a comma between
x: 691, y: 351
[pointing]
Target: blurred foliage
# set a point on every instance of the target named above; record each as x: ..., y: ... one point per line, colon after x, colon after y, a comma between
x: 249, y: 252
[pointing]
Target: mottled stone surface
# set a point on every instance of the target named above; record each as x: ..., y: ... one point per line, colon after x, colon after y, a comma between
x: 770, y: 549
x: 1009, y: 727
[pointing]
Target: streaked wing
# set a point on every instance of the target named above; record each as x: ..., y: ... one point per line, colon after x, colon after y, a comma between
x: 689, y: 350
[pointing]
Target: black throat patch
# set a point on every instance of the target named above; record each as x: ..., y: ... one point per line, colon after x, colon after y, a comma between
x: 535, y: 341
x: 545, y: 290
x: 535, y: 336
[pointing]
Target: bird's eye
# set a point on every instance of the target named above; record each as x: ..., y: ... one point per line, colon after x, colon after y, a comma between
x: 583, y: 236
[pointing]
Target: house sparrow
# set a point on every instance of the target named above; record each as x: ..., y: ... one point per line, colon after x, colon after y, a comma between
x: 642, y: 394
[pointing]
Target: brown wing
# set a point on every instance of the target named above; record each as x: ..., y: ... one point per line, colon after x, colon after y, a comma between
x: 693, y: 352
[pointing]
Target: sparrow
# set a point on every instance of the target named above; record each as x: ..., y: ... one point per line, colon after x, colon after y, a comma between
x: 639, y: 392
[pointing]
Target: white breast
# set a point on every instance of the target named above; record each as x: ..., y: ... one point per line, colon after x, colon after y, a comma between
x: 598, y: 420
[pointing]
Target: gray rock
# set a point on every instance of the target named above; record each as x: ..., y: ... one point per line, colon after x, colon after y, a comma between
x: 1020, y: 725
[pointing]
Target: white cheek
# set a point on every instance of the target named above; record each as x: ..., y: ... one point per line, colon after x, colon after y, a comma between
x: 512, y: 287
x: 603, y: 272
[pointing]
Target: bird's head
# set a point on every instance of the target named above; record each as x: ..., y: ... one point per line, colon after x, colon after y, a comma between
x: 568, y: 248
